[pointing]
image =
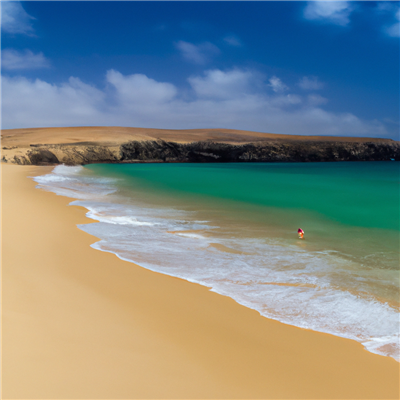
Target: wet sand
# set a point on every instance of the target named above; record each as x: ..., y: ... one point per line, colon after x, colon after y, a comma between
x: 78, y: 323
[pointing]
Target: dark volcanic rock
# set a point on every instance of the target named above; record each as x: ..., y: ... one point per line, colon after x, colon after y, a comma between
x: 161, y: 151
x: 293, y: 151
x: 151, y: 150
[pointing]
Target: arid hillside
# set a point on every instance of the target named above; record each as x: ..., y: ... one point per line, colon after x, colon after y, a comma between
x: 82, y: 145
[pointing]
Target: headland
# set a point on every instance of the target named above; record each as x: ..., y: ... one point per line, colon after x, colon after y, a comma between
x: 85, y: 145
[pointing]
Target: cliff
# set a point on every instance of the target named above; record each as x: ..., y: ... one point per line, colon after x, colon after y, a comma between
x: 22, y: 147
x: 294, y: 151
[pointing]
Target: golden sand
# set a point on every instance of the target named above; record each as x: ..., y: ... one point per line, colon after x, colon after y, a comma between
x: 78, y: 323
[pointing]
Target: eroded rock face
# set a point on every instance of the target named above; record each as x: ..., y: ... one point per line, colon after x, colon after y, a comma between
x: 64, y: 154
x: 263, y: 152
x: 85, y: 154
x: 162, y: 151
x: 42, y: 156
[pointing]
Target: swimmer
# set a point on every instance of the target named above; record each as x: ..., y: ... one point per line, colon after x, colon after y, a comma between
x: 300, y: 232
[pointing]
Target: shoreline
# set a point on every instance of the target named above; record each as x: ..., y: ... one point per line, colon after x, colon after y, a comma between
x: 105, y: 328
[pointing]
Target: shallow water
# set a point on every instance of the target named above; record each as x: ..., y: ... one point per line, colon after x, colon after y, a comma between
x: 232, y: 227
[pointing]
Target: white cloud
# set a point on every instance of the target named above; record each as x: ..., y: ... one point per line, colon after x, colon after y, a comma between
x: 13, y: 59
x: 138, y: 88
x: 310, y: 83
x: 38, y: 103
x: 284, y: 101
x: 277, y: 85
x: 392, y: 9
x: 394, y: 30
x: 233, y: 40
x: 197, y: 54
x: 222, y: 85
x: 236, y: 102
x: 14, y: 19
x: 336, y: 12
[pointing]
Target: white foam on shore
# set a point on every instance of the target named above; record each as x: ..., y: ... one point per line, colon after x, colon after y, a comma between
x: 71, y: 182
x: 189, y: 235
x: 101, y: 216
x: 306, y: 293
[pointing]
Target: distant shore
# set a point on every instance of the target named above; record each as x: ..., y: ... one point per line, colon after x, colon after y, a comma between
x: 85, y: 145
x: 80, y: 323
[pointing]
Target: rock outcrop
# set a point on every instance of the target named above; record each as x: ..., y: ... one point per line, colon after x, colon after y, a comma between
x: 284, y: 151
x: 42, y: 156
x: 206, y: 151
x: 76, y: 154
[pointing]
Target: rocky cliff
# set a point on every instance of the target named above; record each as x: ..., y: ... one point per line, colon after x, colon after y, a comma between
x: 294, y: 151
x: 205, y: 151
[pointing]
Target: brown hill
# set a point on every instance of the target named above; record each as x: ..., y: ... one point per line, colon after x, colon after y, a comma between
x: 80, y: 145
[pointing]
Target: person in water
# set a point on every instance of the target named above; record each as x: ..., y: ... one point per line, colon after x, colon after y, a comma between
x: 300, y: 232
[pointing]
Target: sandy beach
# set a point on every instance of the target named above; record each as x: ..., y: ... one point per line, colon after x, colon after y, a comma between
x: 78, y: 323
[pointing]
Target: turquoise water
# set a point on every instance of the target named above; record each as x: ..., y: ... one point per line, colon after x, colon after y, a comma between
x: 357, y: 194
x: 349, y: 207
x: 233, y: 228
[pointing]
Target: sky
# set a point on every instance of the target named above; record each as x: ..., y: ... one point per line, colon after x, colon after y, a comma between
x: 291, y: 67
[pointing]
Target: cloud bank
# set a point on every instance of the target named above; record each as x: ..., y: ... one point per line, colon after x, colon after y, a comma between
x: 232, y: 99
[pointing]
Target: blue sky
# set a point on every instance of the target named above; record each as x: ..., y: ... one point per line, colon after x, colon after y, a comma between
x: 317, y: 68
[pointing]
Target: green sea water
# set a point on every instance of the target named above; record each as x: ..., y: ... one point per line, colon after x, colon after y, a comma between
x: 364, y: 194
x: 350, y: 206
x: 233, y: 228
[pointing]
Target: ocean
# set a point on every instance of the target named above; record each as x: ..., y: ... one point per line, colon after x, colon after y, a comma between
x: 233, y: 228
